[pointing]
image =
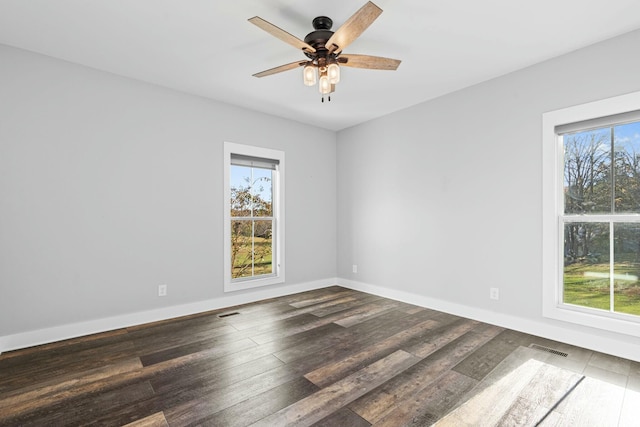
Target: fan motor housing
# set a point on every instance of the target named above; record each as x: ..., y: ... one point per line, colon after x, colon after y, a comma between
x: 318, y: 38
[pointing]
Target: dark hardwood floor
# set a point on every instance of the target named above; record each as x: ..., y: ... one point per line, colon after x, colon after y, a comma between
x: 331, y: 357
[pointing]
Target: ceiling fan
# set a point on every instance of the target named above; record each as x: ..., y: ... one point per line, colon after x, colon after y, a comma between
x: 324, y: 47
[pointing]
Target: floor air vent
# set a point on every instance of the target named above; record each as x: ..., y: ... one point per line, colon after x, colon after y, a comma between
x: 548, y: 350
x: 228, y: 314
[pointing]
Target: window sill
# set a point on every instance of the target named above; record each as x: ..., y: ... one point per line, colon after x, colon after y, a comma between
x: 574, y: 314
x: 252, y: 283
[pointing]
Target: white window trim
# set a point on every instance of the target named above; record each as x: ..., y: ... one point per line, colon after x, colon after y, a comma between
x: 552, y: 202
x: 278, y: 213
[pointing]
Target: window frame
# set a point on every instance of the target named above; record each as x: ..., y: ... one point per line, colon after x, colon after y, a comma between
x: 553, y: 217
x: 278, y: 227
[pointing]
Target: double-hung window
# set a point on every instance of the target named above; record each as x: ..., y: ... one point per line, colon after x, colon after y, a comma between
x: 254, y: 214
x: 592, y: 214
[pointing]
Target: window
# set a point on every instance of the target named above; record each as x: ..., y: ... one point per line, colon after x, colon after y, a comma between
x: 591, y: 214
x: 254, y: 216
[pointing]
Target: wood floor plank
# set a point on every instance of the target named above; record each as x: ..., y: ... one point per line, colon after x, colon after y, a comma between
x: 331, y: 291
x: 436, y: 338
x: 166, y: 332
x: 48, y: 392
x: 414, y: 309
x: 155, y: 420
x: 169, y: 368
x: 519, y: 392
x: 377, y: 404
x: 276, y: 329
x: 323, y: 298
x: 215, y: 347
x: 211, y: 361
x: 335, y: 304
x: 211, y: 374
x: 271, y: 331
x: 369, y: 331
x: 342, y: 349
x: 95, y: 345
x: 317, y: 337
x: 194, y: 322
x: 332, y: 372
x: 319, y: 405
x: 262, y: 405
x: 326, y: 309
x: 279, y: 310
x: 429, y: 403
x: 523, y: 412
x: 120, y: 405
x: 85, y: 389
x: 492, y: 353
x: 548, y: 386
x: 342, y: 418
x: 314, y: 346
x: 84, y: 341
x: 186, y: 406
x: 630, y: 413
x: 20, y: 372
x: 276, y: 306
x: 303, y: 323
x: 360, y: 315
x: 166, y: 340
x: 390, y: 319
x: 592, y: 403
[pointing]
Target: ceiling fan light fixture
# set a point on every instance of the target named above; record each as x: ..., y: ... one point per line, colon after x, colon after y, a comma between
x: 309, y: 74
x: 324, y: 49
x: 333, y: 71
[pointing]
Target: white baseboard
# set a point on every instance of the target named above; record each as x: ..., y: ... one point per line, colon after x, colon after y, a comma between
x: 58, y: 333
x: 627, y: 349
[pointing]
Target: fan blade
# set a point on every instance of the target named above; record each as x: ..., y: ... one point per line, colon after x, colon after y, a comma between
x: 351, y: 30
x: 280, y: 69
x: 370, y: 62
x: 281, y: 34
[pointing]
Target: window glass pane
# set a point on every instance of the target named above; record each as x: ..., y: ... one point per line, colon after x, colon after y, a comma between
x: 262, y: 192
x: 240, y: 191
x: 263, y: 247
x: 587, y: 171
x: 626, y: 268
x: 251, y: 191
x: 241, y: 253
x: 627, y: 166
x: 586, y: 265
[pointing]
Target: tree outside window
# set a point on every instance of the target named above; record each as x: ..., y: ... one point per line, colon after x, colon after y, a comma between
x: 254, y: 216
x: 251, y: 221
x: 601, y: 230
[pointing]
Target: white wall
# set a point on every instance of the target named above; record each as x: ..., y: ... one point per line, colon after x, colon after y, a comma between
x: 110, y: 187
x: 441, y: 201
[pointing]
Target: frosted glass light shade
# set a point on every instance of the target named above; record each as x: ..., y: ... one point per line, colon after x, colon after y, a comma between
x: 333, y: 71
x: 309, y: 74
x: 325, y: 85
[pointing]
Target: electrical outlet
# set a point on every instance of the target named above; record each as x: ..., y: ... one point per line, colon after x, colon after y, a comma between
x: 162, y: 290
x: 494, y: 293
x: 354, y: 268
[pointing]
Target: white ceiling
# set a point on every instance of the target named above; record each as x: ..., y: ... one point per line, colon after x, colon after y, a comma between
x: 207, y: 47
